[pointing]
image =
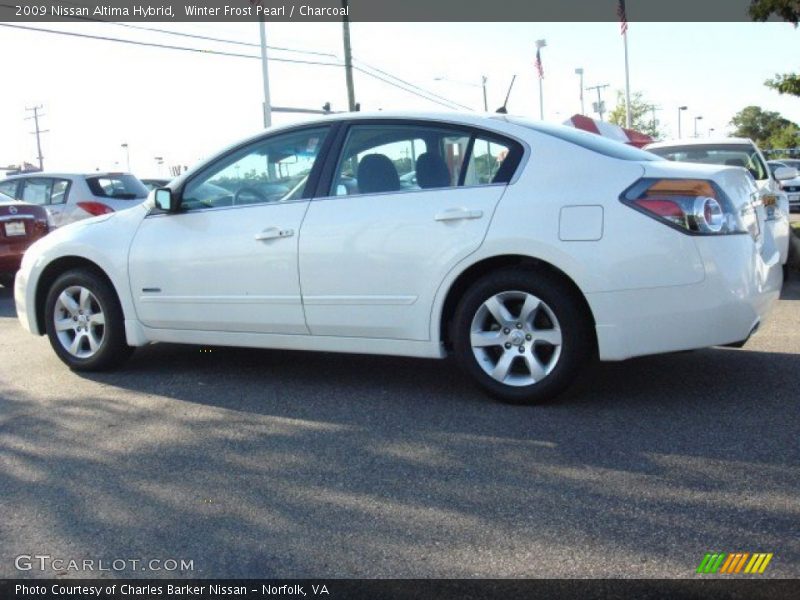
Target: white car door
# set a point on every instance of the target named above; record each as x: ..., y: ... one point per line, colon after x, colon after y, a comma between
x: 373, y: 256
x: 228, y: 260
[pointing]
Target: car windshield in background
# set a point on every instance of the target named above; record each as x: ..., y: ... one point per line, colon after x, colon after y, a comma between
x: 590, y: 141
x: 121, y: 187
x: 731, y: 155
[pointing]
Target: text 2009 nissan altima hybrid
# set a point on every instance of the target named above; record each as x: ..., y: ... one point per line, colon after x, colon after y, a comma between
x: 521, y: 248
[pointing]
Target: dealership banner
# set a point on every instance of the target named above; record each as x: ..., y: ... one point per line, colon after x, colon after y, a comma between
x: 394, y: 589
x: 373, y: 10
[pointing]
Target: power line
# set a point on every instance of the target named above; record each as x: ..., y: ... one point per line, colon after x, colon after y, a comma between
x: 165, y: 46
x: 431, y: 97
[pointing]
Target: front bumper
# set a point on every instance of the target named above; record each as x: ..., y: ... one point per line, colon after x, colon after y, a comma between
x: 741, y: 284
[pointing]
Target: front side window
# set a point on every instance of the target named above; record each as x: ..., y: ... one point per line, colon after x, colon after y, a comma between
x: 394, y: 158
x: 272, y: 170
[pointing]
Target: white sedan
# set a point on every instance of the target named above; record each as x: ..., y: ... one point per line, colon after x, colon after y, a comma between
x: 521, y: 248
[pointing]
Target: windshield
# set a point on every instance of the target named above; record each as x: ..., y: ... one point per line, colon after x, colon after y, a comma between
x: 120, y: 187
x: 731, y: 155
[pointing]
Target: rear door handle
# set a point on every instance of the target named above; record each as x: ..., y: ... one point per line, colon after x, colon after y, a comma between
x: 272, y: 233
x: 457, y: 214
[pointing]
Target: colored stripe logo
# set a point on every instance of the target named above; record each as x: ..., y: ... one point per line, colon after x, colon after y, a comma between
x: 731, y: 564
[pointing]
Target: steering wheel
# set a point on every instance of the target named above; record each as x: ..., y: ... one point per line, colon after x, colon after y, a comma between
x: 260, y: 197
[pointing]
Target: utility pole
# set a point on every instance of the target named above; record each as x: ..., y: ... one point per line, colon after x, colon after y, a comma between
x: 35, y: 110
x: 348, y: 59
x: 485, y: 100
x: 265, y: 73
x: 599, y: 107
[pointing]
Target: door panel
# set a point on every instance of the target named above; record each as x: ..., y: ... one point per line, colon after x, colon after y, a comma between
x: 206, y: 270
x: 370, y: 264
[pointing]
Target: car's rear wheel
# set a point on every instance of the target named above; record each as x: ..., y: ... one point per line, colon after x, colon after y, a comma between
x: 522, y: 335
x: 7, y: 280
x: 84, y: 322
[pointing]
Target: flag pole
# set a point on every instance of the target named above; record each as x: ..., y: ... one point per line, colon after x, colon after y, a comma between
x: 627, y: 83
x: 623, y: 26
x: 539, y: 45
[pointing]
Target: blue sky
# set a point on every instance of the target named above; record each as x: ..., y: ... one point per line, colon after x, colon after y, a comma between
x: 185, y: 106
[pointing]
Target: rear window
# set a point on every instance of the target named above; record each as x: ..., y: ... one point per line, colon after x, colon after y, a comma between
x: 590, y: 141
x: 121, y: 187
x: 731, y: 155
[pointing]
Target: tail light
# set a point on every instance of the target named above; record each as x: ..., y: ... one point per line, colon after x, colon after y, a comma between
x: 694, y: 206
x: 95, y: 208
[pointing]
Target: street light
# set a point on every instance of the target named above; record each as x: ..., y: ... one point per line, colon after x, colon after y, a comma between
x: 680, y: 108
x: 482, y: 84
x: 696, y: 119
x: 127, y: 156
x: 579, y: 72
x: 710, y: 131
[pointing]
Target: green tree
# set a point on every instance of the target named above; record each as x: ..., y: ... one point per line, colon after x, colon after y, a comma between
x: 761, y: 126
x: 788, y: 83
x: 788, y: 10
x: 641, y: 115
x: 788, y: 137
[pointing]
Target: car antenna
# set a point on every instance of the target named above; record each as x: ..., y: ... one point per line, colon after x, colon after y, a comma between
x: 503, y: 110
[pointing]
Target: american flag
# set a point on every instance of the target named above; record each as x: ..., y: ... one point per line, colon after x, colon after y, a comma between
x: 538, y: 64
x: 623, y: 19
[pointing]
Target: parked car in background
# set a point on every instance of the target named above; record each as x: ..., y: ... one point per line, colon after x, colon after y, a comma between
x: 152, y: 184
x: 526, y: 249
x: 790, y: 186
x: 21, y: 224
x: 738, y: 152
x: 70, y: 197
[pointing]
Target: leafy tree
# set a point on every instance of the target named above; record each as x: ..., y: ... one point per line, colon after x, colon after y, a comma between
x: 641, y: 115
x: 788, y: 83
x: 763, y: 127
x: 788, y: 10
x: 788, y: 137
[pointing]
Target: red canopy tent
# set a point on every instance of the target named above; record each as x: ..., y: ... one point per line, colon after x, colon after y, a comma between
x: 609, y: 130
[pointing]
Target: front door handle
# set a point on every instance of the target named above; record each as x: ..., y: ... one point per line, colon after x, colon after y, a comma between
x: 457, y: 214
x: 272, y: 233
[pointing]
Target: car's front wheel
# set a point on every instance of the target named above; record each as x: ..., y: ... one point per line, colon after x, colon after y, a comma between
x: 84, y: 322
x: 522, y: 335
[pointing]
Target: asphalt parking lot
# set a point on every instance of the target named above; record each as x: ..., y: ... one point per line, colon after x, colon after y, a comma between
x: 290, y: 464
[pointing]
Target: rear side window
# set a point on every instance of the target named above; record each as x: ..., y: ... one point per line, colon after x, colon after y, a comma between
x: 397, y: 157
x: 120, y: 187
x: 37, y: 190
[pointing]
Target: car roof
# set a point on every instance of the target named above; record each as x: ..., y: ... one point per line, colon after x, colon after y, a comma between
x: 66, y: 175
x: 713, y: 141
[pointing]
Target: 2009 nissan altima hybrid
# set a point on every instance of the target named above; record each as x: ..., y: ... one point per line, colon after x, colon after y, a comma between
x: 521, y: 248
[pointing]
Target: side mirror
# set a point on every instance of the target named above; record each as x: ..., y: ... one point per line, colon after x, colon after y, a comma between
x: 784, y: 173
x: 166, y: 200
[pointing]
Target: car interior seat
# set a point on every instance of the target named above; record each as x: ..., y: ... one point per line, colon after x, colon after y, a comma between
x: 376, y: 174
x: 432, y: 171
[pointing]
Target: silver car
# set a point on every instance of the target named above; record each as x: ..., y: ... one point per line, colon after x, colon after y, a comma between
x: 70, y: 197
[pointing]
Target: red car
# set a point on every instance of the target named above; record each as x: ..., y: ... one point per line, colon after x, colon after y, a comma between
x: 21, y: 224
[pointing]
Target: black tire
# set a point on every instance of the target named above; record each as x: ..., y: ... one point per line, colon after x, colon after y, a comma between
x: 112, y: 349
x: 563, y: 302
x: 7, y: 280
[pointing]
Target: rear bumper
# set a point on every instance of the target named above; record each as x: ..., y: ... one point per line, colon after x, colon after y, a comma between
x: 736, y: 295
